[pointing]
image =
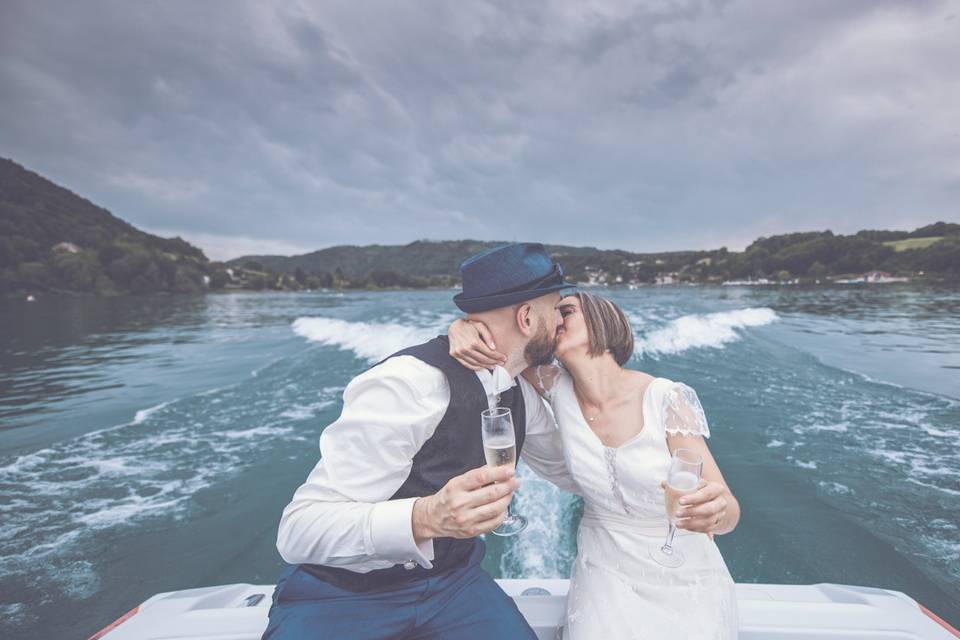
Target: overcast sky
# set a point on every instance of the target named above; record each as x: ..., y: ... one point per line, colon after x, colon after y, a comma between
x: 284, y: 127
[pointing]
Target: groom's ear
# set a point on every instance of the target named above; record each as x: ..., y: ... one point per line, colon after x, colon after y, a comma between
x: 523, y: 315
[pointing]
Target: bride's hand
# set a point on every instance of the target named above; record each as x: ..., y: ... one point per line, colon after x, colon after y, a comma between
x: 705, y: 509
x: 471, y: 343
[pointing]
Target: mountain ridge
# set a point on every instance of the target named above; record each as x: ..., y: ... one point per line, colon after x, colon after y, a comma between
x: 54, y: 240
x: 933, y: 248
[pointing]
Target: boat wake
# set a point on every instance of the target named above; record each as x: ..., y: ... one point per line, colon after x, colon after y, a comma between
x: 374, y: 341
x: 702, y: 330
x: 60, y: 500
x: 371, y: 341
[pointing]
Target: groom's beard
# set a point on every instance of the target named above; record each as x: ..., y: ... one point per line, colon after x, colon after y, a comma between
x: 541, y: 348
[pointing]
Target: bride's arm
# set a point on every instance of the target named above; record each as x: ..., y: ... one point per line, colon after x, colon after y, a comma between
x: 712, y: 508
x: 471, y: 343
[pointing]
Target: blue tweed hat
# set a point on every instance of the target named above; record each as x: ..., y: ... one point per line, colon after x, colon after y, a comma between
x: 507, y: 275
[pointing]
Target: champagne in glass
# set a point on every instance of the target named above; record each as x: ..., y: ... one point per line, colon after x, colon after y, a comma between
x: 681, y: 484
x: 683, y: 478
x: 500, y: 453
x: 500, y: 449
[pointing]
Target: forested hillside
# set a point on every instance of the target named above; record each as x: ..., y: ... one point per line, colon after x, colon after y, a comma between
x: 932, y: 251
x: 53, y: 240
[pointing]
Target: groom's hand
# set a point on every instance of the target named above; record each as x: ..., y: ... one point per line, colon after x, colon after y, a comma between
x: 466, y: 506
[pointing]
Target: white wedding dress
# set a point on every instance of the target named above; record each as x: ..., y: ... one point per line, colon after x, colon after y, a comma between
x: 616, y: 589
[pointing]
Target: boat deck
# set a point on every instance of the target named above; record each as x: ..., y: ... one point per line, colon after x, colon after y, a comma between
x: 766, y: 611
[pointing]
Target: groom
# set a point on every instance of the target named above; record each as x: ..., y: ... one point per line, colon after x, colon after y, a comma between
x: 382, y: 537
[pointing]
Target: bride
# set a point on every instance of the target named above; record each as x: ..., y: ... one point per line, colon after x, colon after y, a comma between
x: 620, y: 429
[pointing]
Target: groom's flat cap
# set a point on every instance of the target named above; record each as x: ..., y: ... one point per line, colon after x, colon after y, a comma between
x: 507, y: 275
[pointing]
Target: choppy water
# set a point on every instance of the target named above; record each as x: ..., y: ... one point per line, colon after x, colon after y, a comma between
x: 149, y: 444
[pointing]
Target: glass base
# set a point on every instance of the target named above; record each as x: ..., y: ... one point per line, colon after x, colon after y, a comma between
x: 511, y: 526
x: 672, y: 559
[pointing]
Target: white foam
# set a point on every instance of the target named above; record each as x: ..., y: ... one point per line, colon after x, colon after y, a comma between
x: 893, y: 456
x: 806, y: 465
x: 834, y: 488
x: 305, y: 411
x: 775, y: 443
x: 116, y: 476
x: 707, y: 330
x: 370, y: 340
x: 26, y: 462
x: 947, y: 490
x: 257, y: 432
x: 939, y: 433
x: 114, y: 513
x: 545, y: 507
x: 838, y: 427
x: 141, y: 416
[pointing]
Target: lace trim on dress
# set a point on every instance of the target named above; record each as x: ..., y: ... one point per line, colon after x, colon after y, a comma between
x: 682, y: 412
x: 610, y: 457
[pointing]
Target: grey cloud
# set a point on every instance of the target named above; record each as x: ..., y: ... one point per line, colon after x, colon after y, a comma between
x: 655, y: 125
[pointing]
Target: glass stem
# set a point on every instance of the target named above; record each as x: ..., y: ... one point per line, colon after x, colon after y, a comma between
x: 667, y: 547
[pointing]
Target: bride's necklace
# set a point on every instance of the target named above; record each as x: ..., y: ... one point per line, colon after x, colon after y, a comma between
x: 583, y: 405
x: 593, y: 418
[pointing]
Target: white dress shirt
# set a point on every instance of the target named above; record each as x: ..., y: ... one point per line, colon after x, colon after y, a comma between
x: 342, y: 515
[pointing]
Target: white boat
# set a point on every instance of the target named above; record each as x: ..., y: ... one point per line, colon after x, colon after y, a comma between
x: 767, y: 612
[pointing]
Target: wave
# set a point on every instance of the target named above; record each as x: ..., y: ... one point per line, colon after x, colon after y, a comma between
x: 702, y: 330
x: 372, y: 341
x: 834, y: 488
x: 256, y: 432
x: 305, y: 411
x: 61, y: 497
x: 142, y: 415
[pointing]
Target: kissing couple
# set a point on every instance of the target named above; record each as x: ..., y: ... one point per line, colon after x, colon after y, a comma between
x: 385, y: 537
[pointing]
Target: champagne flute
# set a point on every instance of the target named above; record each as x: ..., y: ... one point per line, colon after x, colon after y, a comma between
x: 500, y: 449
x: 683, y: 478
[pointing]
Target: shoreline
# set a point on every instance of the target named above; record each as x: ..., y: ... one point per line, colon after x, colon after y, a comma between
x: 918, y: 282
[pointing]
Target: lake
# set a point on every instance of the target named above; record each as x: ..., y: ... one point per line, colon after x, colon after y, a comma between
x: 150, y: 444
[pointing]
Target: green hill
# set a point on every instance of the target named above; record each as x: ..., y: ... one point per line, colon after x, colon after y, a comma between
x: 53, y: 240
x: 932, y: 251
x: 423, y: 258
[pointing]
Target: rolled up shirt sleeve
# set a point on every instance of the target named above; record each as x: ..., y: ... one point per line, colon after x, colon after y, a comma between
x: 343, y: 515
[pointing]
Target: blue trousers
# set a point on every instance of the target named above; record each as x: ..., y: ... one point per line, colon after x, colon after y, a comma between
x: 463, y: 604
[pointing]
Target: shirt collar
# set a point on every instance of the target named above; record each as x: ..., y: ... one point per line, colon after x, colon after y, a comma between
x: 495, y: 382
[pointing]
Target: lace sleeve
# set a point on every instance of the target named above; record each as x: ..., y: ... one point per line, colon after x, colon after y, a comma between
x: 683, y: 413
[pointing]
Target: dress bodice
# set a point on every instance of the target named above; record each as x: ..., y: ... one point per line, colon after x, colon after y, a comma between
x: 625, y: 480
x: 622, y: 480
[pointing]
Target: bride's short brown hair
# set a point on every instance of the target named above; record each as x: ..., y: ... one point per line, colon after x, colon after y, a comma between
x: 607, y: 327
